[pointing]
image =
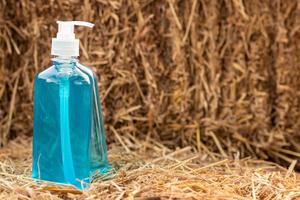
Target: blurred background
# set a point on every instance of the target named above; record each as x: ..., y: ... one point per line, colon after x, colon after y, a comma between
x: 221, y: 75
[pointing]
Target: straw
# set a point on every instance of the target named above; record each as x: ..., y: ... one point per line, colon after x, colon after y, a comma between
x: 154, y: 173
x: 66, y: 148
x: 219, y: 75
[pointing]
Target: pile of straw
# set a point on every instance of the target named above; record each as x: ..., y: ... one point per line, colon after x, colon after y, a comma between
x: 155, y: 173
x: 217, y: 75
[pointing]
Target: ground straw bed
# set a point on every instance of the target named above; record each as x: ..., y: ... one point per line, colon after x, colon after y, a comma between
x: 151, y: 171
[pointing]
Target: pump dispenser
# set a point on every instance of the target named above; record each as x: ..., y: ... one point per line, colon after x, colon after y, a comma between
x: 65, y: 43
x: 69, y: 137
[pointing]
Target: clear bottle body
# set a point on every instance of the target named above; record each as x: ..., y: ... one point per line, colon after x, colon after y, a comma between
x: 98, y: 141
x: 67, y: 146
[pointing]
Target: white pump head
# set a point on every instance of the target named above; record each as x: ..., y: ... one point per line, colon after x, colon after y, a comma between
x: 65, y: 43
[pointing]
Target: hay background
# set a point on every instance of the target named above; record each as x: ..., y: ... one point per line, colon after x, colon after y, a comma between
x: 219, y: 75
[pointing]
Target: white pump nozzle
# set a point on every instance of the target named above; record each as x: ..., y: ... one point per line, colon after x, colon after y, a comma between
x: 65, y: 43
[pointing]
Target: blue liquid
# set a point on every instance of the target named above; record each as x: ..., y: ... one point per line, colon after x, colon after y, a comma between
x: 69, y: 139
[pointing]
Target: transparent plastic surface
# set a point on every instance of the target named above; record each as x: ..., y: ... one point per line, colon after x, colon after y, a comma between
x: 98, y: 141
x: 69, y: 139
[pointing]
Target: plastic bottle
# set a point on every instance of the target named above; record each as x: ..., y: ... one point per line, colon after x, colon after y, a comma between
x: 68, y: 138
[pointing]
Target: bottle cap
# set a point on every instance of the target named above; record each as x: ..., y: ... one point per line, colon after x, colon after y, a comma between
x: 65, y: 43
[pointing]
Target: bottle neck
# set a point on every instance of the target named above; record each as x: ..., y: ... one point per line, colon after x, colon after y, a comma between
x: 64, y: 64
